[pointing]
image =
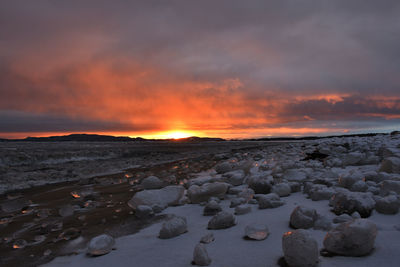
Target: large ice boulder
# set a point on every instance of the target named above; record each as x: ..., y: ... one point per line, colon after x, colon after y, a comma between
x: 390, y: 165
x: 388, y: 185
x: 223, y: 167
x: 242, y: 209
x: 173, y: 227
x: 269, y: 201
x: 260, y: 184
x: 211, y: 208
x: 198, y: 194
x: 388, y: 205
x: 144, y: 212
x: 237, y: 201
x: 347, y: 180
x: 320, y: 192
x: 349, y: 202
x: 303, y: 217
x: 353, y: 238
x: 300, y: 249
x: 256, y: 231
x: 294, y: 175
x: 200, y: 255
x: 152, y: 182
x: 282, y: 189
x: 353, y: 158
x: 100, y: 245
x: 222, y: 220
x: 359, y: 186
x: 162, y: 198
x: 234, y: 177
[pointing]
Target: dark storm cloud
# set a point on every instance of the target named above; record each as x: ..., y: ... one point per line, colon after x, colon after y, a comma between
x: 12, y: 122
x: 58, y: 56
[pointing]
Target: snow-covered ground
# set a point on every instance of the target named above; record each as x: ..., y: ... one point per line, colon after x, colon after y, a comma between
x: 144, y: 249
x: 351, y: 176
x: 343, y: 191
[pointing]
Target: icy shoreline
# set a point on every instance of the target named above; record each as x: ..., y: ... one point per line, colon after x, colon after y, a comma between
x: 335, y: 181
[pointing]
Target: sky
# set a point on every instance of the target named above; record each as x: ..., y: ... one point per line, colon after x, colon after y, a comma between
x: 227, y: 68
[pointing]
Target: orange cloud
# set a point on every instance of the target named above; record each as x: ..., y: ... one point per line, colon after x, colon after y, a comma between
x: 147, y: 101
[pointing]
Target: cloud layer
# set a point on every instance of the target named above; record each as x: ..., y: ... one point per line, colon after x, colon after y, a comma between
x: 227, y: 68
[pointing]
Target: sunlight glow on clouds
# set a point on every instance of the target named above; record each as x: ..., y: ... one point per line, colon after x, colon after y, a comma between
x: 252, y: 68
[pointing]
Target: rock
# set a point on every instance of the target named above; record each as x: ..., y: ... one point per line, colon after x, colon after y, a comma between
x: 349, y: 202
x: 242, y: 209
x: 200, y: 255
x: 307, y: 186
x: 246, y: 193
x: 253, y: 201
x: 211, y: 208
x: 390, y: 165
x: 237, y: 201
x: 353, y: 238
x: 353, y: 158
x: 66, y: 211
x: 334, y: 162
x: 303, y: 217
x: 173, y: 227
x: 223, y: 167
x: 234, y: 190
x: 208, y: 238
x: 144, y: 212
x: 152, y: 182
x: 198, y: 194
x: 388, y: 205
x: 300, y: 249
x: 348, y: 180
x: 295, y: 187
x: 359, y: 186
x: 294, y: 175
x: 202, y: 180
x: 389, y: 185
x: 222, y: 220
x: 269, y: 201
x: 371, y: 176
x: 235, y: 177
x: 261, y: 185
x: 374, y: 190
x: 342, y: 218
x: 320, y: 192
x: 167, y: 196
x: 282, y: 189
x: 100, y: 245
x: 256, y: 231
x: 214, y: 199
x: 322, y: 223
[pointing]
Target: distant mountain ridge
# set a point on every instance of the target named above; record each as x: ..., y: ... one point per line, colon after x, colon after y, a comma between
x: 192, y: 139
x: 106, y: 138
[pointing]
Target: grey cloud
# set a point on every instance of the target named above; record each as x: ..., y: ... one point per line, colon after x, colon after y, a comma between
x: 16, y: 121
x: 287, y: 48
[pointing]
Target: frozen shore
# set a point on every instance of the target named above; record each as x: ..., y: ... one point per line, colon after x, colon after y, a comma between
x: 347, y: 189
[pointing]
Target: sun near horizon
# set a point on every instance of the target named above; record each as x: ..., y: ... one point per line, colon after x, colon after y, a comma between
x: 174, y: 134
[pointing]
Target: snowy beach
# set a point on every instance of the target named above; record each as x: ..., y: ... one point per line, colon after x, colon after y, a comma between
x: 343, y: 191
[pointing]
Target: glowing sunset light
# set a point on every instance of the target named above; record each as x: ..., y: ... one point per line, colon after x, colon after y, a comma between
x: 243, y: 76
x: 171, y: 135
